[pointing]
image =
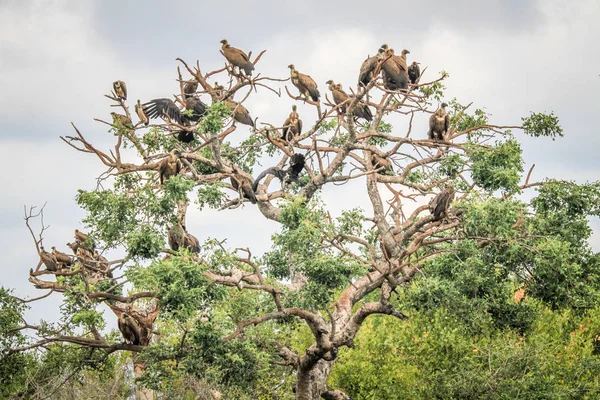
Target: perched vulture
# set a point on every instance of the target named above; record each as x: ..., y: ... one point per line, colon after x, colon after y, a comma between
x: 49, y: 260
x: 139, y: 110
x: 361, y: 110
x: 169, y: 166
x: 240, y: 113
x: 292, y: 126
x: 80, y: 236
x: 84, y: 254
x: 219, y: 90
x: 237, y: 57
x: 130, y: 329
x: 61, y: 257
x: 74, y: 246
x: 120, y: 89
x: 120, y: 120
x: 438, y: 206
x: 414, y: 72
x: 305, y: 84
x: 285, y: 176
x: 185, y: 136
x: 369, y: 65
x: 383, y: 164
x: 190, y: 87
x: 180, y: 238
x: 439, y: 123
x: 197, y: 106
x: 395, y: 74
x: 163, y: 108
x: 245, y: 191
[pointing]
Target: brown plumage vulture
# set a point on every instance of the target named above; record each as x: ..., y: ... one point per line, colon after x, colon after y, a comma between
x: 163, y: 108
x: 395, y: 75
x: 49, y: 260
x: 361, y: 110
x: 240, y: 113
x: 74, y: 246
x: 439, y: 123
x: 62, y: 258
x: 198, y: 109
x: 384, y: 165
x: 130, y: 329
x: 80, y: 236
x: 369, y: 66
x: 139, y: 110
x: 292, y: 126
x: 305, y: 84
x: 120, y: 89
x: 190, y: 87
x: 237, y: 57
x: 180, y: 238
x: 169, y: 166
x: 246, y: 188
x: 414, y: 72
x: 438, y: 206
x: 121, y: 121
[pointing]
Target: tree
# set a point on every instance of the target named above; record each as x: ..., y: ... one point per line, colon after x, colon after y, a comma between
x: 237, y: 322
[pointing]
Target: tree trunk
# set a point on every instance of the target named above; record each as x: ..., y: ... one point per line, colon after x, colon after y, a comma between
x: 312, y: 383
x: 141, y: 393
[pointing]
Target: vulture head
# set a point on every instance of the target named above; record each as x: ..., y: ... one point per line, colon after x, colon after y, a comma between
x: 415, y: 63
x: 291, y: 66
x: 294, y: 107
x: 384, y: 46
x: 444, y: 105
x: 224, y: 42
x: 405, y: 52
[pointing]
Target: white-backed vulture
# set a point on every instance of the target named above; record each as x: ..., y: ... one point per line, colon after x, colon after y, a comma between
x: 305, y: 84
x: 240, y: 113
x: 120, y: 89
x: 369, y: 65
x: 49, y: 260
x: 395, y: 75
x: 130, y: 329
x: 361, y: 110
x: 121, y: 121
x: 237, y: 57
x: 438, y: 206
x: 169, y: 166
x: 62, y: 257
x: 439, y: 123
x: 292, y: 126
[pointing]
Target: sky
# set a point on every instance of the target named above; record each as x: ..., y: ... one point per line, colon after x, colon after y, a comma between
x: 58, y: 58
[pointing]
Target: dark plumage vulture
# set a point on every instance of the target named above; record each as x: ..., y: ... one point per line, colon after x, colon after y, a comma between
x: 185, y: 136
x: 130, y: 329
x: 369, y: 65
x: 61, y: 257
x: 287, y: 176
x: 414, y: 72
x: 383, y: 164
x: 395, y: 76
x: 163, y: 108
x: 80, y: 236
x: 237, y: 57
x: 49, y: 260
x: 240, y: 113
x: 180, y: 238
x: 305, y: 84
x: 190, y: 87
x: 438, y: 206
x: 245, y: 191
x: 361, y: 110
x: 169, y: 166
x: 439, y: 123
x: 197, y: 106
x: 292, y: 126
x: 121, y: 121
x: 139, y: 110
x: 120, y: 89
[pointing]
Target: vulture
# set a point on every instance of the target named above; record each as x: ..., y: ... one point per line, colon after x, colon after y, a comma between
x: 395, y: 74
x: 414, y: 72
x: 120, y: 120
x: 165, y: 108
x: 237, y: 57
x: 305, y: 84
x: 219, y: 90
x: 49, y: 260
x: 190, y: 87
x: 369, y: 65
x: 74, y: 246
x: 438, y: 206
x: 130, y: 329
x: 361, y: 110
x: 80, y: 236
x: 197, y: 106
x: 139, y: 110
x: 185, y: 136
x: 240, y: 113
x: 169, y: 166
x: 439, y: 123
x: 248, y: 194
x: 285, y: 176
x: 61, y: 257
x: 120, y: 89
x: 383, y: 164
x: 292, y: 126
x: 180, y: 238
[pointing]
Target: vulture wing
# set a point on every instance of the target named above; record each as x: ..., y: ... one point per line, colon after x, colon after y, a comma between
x: 197, y: 106
x: 162, y: 108
x: 366, y: 70
x: 296, y: 166
x: 278, y: 172
x: 310, y: 85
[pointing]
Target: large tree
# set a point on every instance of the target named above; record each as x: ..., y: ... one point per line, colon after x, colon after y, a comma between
x: 237, y: 322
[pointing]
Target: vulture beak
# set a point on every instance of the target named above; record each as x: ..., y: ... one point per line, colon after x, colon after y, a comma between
x: 291, y: 66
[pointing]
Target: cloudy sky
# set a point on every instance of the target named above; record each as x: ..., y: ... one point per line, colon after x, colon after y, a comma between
x: 57, y: 58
